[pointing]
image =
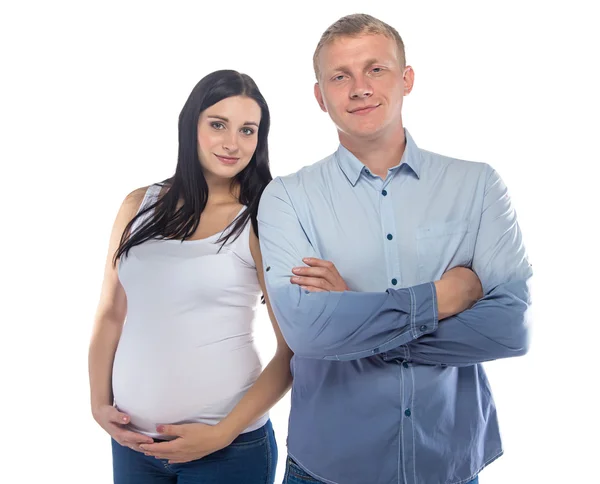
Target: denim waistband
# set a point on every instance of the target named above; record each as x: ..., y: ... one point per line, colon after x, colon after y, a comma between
x: 246, y: 437
x: 254, y: 434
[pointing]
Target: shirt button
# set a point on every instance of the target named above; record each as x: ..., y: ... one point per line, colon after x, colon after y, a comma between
x: 375, y: 351
x: 384, y: 193
x: 423, y: 328
x: 367, y: 172
x: 405, y: 364
x: 268, y: 268
x: 407, y: 412
x: 390, y: 236
x: 394, y: 281
x: 306, y: 292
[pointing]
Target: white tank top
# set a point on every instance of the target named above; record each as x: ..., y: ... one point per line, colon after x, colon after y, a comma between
x: 186, y: 353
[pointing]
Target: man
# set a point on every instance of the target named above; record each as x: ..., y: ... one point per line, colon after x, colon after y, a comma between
x: 388, y: 383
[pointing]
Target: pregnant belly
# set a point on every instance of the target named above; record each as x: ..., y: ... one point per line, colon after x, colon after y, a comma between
x: 184, y: 385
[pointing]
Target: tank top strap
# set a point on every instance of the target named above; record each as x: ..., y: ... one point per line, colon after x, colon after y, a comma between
x: 150, y: 197
x: 241, y: 246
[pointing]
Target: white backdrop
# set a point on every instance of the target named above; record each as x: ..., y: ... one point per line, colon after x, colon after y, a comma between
x: 90, y: 94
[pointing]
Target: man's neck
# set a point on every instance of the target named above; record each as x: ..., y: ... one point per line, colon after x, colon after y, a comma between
x: 378, y: 154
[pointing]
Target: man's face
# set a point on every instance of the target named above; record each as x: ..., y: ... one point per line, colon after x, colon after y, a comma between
x: 362, y: 84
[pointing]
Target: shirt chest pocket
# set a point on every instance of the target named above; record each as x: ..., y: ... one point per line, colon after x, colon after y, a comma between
x: 442, y: 246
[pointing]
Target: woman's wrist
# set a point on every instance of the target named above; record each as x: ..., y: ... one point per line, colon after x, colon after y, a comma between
x: 228, y: 429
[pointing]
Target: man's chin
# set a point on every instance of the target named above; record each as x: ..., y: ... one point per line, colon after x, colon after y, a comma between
x: 364, y: 132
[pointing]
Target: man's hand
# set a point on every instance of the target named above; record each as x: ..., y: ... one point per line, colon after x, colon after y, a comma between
x: 320, y: 276
x: 113, y: 421
x: 193, y: 441
x: 457, y: 290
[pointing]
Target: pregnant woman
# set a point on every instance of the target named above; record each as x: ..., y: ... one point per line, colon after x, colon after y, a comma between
x: 179, y: 386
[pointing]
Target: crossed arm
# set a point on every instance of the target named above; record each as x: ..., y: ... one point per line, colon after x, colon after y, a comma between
x: 346, y: 325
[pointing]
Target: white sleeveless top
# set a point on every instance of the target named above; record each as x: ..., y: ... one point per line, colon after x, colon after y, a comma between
x: 186, y: 353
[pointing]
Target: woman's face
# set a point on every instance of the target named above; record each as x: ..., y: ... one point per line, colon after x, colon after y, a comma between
x: 227, y: 136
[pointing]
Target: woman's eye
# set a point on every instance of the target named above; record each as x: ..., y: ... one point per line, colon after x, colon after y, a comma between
x: 248, y: 131
x: 217, y: 125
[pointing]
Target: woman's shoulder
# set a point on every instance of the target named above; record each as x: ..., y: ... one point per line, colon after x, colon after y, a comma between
x: 132, y: 202
x: 135, y: 198
x: 137, y: 195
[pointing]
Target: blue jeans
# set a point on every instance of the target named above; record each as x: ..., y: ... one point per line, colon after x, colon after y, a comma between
x: 295, y: 475
x: 249, y: 459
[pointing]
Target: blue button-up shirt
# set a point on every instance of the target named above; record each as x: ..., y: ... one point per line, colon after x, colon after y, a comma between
x: 383, y: 392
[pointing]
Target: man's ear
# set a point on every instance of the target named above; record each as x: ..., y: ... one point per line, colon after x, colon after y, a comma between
x: 319, y: 97
x: 409, y: 80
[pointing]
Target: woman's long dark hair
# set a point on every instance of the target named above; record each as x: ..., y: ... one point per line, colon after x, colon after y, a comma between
x: 188, y: 183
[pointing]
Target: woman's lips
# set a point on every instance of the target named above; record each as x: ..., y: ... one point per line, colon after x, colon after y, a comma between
x: 228, y: 160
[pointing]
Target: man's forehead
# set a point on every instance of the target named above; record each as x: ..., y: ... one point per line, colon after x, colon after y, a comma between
x: 360, y: 49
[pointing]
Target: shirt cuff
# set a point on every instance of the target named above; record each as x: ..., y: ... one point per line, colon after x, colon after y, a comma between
x: 423, y: 309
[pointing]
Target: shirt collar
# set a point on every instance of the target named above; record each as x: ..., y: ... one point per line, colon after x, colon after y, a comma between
x: 353, y: 167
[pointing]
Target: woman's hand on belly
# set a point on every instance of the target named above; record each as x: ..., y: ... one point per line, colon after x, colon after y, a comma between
x: 194, y: 441
x: 113, y: 421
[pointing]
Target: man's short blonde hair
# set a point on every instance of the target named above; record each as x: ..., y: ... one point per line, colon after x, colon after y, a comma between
x: 353, y: 26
